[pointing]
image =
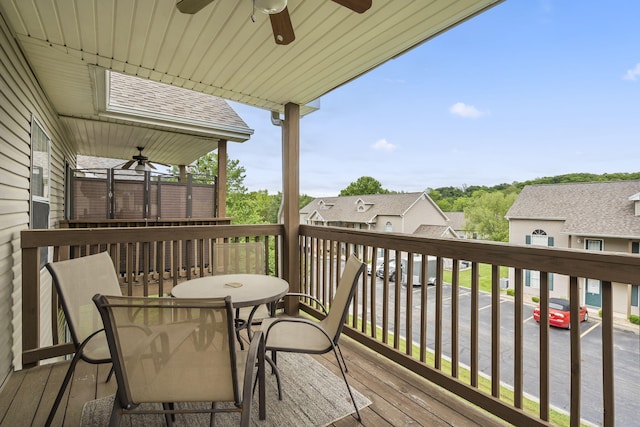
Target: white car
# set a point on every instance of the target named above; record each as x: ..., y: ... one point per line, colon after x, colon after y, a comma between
x: 370, y: 268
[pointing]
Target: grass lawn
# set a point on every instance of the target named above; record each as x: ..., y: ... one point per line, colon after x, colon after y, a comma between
x: 485, y: 277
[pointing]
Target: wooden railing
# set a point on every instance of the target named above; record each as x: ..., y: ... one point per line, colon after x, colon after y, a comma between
x: 150, y: 260
x: 429, y: 343
x: 426, y: 339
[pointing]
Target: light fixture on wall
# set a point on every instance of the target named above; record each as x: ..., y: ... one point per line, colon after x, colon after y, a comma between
x: 270, y: 7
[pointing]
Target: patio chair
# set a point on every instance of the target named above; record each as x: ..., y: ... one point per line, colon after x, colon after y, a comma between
x: 165, y: 354
x: 303, y: 335
x: 77, y: 281
x: 242, y: 258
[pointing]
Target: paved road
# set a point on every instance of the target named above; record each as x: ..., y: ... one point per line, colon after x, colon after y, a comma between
x: 626, y: 351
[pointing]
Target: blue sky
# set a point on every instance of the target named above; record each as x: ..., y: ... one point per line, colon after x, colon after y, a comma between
x: 530, y: 88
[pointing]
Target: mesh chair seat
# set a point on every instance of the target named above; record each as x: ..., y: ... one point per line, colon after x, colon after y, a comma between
x: 302, y: 335
x: 179, y: 350
x: 77, y: 281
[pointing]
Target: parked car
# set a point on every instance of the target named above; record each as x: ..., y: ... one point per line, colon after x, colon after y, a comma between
x: 559, y: 313
x: 392, y: 269
x: 379, y: 263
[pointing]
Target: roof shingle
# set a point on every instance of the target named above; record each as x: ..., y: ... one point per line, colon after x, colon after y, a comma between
x: 596, y: 208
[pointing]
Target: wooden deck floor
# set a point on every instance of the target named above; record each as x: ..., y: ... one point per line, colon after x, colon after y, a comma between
x: 399, y: 397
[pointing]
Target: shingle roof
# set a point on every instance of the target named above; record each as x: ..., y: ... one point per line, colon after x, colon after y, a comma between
x: 156, y: 98
x: 456, y: 220
x: 596, y: 208
x: 344, y: 209
x: 437, y: 231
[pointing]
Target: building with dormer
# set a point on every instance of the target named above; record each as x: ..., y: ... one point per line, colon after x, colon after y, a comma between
x: 411, y: 213
x: 592, y: 216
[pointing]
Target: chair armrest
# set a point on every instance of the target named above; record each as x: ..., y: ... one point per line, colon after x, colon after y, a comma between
x: 316, y: 300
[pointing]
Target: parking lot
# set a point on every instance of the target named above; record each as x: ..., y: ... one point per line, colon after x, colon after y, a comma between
x: 627, y: 351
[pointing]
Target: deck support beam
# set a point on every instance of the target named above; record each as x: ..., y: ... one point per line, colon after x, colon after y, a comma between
x: 222, y: 178
x: 291, y: 201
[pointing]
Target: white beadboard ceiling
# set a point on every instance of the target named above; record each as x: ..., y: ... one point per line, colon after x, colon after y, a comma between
x: 218, y: 51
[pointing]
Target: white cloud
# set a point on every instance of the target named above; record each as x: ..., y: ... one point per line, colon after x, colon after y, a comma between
x: 463, y: 110
x: 383, y: 145
x: 633, y: 73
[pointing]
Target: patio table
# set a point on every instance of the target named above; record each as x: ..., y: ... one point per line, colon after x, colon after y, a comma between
x: 245, y: 290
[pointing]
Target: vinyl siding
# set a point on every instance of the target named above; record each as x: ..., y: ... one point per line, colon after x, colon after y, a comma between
x: 21, y: 99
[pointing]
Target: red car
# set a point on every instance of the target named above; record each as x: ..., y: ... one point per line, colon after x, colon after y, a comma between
x: 559, y: 313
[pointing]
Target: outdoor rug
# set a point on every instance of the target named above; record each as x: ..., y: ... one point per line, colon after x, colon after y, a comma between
x: 311, y: 396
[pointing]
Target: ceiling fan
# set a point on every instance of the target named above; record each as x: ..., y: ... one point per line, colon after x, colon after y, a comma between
x: 140, y: 160
x: 278, y: 13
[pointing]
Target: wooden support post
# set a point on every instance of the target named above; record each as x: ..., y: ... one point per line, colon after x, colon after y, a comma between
x: 222, y: 178
x: 30, y: 302
x: 291, y: 201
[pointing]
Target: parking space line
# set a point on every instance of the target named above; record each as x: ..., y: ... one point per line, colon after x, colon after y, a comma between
x: 590, y: 329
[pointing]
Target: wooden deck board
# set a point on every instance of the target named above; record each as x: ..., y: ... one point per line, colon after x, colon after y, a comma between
x: 400, y: 398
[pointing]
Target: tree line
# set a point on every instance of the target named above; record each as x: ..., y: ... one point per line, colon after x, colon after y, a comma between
x: 484, y: 207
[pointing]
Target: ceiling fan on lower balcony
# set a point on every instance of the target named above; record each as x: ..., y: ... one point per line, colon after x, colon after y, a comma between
x: 141, y: 162
x: 278, y: 13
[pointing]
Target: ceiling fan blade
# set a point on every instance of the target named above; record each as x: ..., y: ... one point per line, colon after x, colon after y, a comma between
x: 191, y: 6
x: 359, y: 6
x: 150, y: 165
x: 128, y: 164
x: 282, y: 27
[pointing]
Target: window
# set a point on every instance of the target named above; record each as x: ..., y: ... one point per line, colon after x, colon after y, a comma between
x: 593, y: 288
x: 538, y: 238
x: 40, y: 185
x: 388, y: 227
x: 635, y: 297
x: 593, y: 245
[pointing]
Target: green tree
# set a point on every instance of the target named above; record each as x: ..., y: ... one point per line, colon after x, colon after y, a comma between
x: 206, y: 169
x: 485, y: 214
x: 364, y: 185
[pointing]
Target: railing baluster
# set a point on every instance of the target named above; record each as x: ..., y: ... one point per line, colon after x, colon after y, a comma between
x: 130, y: 254
x: 385, y: 298
x: 607, y: 355
x: 495, y: 330
x: 396, y: 301
x: 475, y: 312
x: 373, y: 299
x: 424, y: 273
x: 455, y: 279
x: 160, y: 266
x: 518, y: 336
x: 438, y: 322
x: 574, y: 337
x: 145, y: 268
x: 175, y: 264
x: 544, y: 346
x: 408, y: 303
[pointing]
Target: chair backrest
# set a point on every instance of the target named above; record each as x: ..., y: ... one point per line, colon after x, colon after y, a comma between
x: 339, y: 307
x: 236, y: 258
x: 171, y: 349
x: 77, y: 281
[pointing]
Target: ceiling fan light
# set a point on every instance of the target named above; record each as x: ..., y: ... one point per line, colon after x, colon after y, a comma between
x: 270, y: 7
x: 140, y: 168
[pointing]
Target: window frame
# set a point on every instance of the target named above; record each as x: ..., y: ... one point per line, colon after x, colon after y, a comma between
x: 40, y: 203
